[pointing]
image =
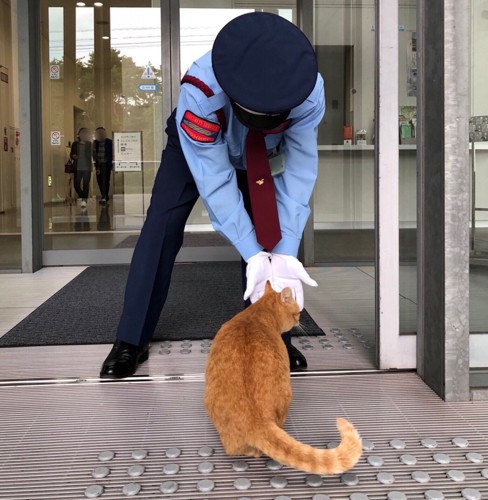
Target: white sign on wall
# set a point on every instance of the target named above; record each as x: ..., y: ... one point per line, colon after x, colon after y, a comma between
x: 127, y: 151
x: 55, y: 138
x: 54, y: 71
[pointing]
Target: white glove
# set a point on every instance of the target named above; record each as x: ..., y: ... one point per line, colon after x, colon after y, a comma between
x: 287, y: 271
x: 258, y: 271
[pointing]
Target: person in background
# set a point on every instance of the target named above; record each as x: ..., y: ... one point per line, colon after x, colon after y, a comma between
x: 81, y: 154
x: 102, y: 154
x: 69, y: 175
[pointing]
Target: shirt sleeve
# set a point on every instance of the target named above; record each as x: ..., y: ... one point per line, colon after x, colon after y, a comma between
x: 295, y: 185
x: 216, y: 180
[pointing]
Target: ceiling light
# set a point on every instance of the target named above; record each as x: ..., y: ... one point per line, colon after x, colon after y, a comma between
x: 98, y: 4
x: 80, y: 4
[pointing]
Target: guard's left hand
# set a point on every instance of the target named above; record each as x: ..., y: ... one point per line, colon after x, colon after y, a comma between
x: 287, y: 271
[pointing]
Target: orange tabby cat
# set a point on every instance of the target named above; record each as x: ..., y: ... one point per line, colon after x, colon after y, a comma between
x: 248, y: 390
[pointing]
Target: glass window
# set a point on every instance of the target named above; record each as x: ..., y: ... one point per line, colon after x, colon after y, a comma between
x: 478, y: 133
x: 344, y: 204
x: 407, y: 122
x: 10, y: 238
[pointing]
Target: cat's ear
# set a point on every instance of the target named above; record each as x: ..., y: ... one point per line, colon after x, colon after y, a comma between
x: 268, y: 288
x: 287, y: 295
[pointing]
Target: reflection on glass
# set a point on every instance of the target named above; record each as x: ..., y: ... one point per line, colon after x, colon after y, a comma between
x: 104, y: 72
x: 344, y: 194
x: 478, y: 128
x: 407, y: 113
x: 10, y: 242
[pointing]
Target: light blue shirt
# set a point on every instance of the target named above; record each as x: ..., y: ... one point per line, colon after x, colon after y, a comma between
x: 213, y: 164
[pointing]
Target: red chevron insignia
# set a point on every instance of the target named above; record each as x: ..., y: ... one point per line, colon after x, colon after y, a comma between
x: 198, y: 129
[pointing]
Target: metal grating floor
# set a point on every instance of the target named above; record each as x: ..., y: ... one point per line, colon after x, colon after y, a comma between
x: 340, y: 349
x: 51, y: 438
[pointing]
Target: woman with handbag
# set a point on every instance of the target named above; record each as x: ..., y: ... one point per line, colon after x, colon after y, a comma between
x: 81, y: 154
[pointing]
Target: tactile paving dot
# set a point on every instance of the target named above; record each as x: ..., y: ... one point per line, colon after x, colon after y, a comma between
x: 278, y: 482
x: 476, y: 458
x: 240, y: 465
x: 484, y: 473
x: 94, y: 491
x: 139, y: 454
x: 205, y: 485
x: 456, y: 475
x: 367, y: 445
x: 273, y: 465
x: 434, y: 495
x: 105, y: 456
x: 205, y: 451
x: 396, y: 495
x: 385, y: 478
x: 429, y: 443
x: 171, y: 469
x: 460, y: 442
x: 206, y: 467
x: 442, y: 458
x: 185, y: 351
x: 314, y: 480
x: 320, y: 496
x: 398, y: 444
x: 164, y: 351
x: 332, y: 444
x: 359, y: 496
x: 136, y: 470
x: 100, y: 472
x: 169, y: 487
x: 408, y: 459
x: 350, y: 479
x: 375, y: 461
x: 471, y: 494
x: 173, y: 452
x: 420, y: 476
x: 131, y: 489
x: 242, y: 483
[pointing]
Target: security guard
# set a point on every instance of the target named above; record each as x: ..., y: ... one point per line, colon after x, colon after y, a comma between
x: 243, y: 137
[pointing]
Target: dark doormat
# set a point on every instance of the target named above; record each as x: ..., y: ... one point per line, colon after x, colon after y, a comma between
x: 202, y: 296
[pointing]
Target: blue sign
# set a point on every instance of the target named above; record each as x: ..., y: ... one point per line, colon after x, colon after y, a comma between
x: 148, y: 87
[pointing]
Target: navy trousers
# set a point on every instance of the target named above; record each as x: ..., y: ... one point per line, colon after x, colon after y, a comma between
x: 173, y: 197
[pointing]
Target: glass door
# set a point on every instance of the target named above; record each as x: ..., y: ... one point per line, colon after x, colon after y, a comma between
x: 102, y: 95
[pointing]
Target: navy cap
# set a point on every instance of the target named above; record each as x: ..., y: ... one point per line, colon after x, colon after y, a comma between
x: 264, y: 63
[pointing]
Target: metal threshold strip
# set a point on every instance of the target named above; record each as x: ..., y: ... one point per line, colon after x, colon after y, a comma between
x: 187, y: 377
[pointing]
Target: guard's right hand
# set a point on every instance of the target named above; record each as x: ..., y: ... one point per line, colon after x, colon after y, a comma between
x: 258, y: 271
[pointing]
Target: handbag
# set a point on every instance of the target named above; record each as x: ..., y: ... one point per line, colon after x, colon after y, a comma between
x: 69, y: 167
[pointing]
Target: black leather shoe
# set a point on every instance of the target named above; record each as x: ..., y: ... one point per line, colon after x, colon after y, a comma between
x: 123, y: 360
x: 298, y: 361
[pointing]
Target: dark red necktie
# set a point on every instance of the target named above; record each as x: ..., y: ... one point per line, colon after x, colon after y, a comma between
x: 262, y: 191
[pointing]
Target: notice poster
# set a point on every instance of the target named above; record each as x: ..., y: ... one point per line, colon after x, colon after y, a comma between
x: 412, y: 66
x: 127, y: 151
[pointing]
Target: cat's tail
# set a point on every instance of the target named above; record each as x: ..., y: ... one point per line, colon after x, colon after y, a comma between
x: 280, y: 446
